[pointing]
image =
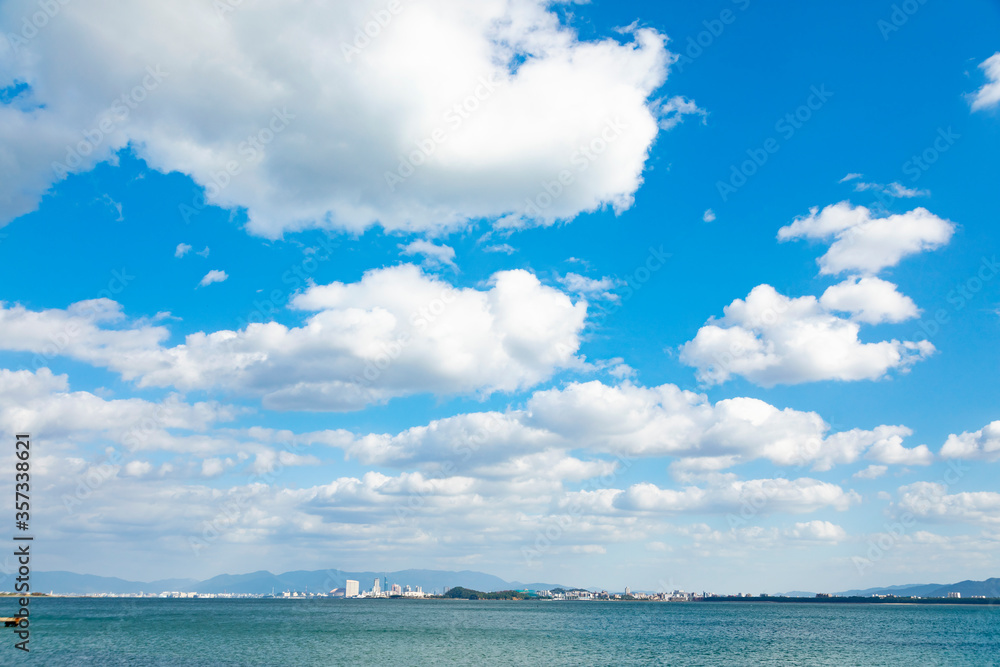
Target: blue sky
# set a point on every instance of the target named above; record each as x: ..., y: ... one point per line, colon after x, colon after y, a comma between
x: 239, y: 345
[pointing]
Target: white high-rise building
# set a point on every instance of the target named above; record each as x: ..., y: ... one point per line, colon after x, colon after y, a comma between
x: 376, y: 588
x: 352, y: 588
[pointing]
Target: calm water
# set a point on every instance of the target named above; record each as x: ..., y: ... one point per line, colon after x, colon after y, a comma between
x: 411, y: 632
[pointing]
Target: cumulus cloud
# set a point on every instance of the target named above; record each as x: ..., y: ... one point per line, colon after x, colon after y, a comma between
x: 434, y: 255
x: 981, y: 445
x: 42, y: 403
x: 82, y: 331
x: 931, y: 500
x: 708, y: 216
x: 673, y: 110
x: 864, y: 243
x: 311, y: 128
x: 871, y: 472
x: 395, y: 332
x: 592, y: 288
x: 616, y: 423
x: 772, y: 339
x: 182, y: 249
x: 893, y: 189
x: 214, y: 276
x: 989, y: 94
x: 869, y: 300
x: 777, y: 495
x: 822, y: 531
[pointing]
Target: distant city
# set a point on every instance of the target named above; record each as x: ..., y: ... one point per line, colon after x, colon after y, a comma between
x: 468, y: 585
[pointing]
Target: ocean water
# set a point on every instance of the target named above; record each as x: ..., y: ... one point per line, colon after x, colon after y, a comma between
x: 455, y: 632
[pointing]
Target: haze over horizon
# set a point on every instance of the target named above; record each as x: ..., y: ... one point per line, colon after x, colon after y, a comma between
x: 641, y: 294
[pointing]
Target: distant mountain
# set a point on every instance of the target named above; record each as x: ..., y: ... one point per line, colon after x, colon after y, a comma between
x: 84, y: 584
x: 919, y: 590
x: 262, y: 582
x: 989, y: 588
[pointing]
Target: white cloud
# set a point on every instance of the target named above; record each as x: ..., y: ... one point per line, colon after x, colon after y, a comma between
x: 865, y: 243
x: 777, y: 495
x: 772, y: 339
x: 182, y: 249
x: 822, y: 531
x: 871, y: 472
x: 666, y: 421
x: 79, y: 332
x: 505, y: 248
x: 869, y: 300
x: 590, y: 287
x: 981, y: 445
x: 708, y: 216
x: 395, y: 332
x: 138, y: 468
x: 212, y: 467
x: 435, y: 255
x: 313, y: 125
x: 890, y: 450
x: 931, y: 500
x: 625, y: 421
x: 850, y: 177
x: 989, y: 94
x: 672, y: 111
x: 42, y: 403
x: 214, y: 276
x: 894, y: 189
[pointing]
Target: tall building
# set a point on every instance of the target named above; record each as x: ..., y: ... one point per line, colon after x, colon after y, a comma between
x: 352, y: 588
x: 376, y: 588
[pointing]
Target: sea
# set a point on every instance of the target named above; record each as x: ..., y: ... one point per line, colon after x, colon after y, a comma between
x: 148, y: 631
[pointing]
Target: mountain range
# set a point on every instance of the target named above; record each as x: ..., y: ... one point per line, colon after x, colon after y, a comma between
x: 261, y: 582
x: 989, y: 588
